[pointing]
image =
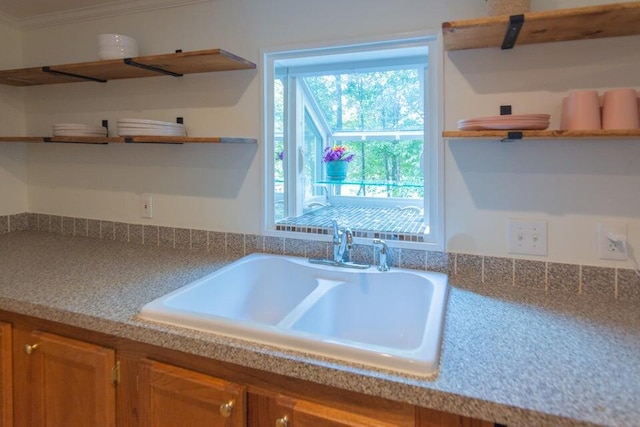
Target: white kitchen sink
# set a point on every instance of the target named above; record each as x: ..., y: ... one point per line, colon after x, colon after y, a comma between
x: 391, y: 320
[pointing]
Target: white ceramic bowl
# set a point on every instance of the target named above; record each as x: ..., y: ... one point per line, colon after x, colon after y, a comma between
x: 115, y: 46
x: 117, y: 39
x: 123, y: 44
x: 117, y: 53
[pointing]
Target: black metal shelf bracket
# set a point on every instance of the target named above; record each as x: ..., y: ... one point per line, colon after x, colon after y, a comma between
x: 512, y: 136
x: 48, y: 69
x: 133, y: 63
x: 515, y: 25
x: 505, y: 110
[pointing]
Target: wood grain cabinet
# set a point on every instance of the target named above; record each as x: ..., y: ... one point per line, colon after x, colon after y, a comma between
x: 67, y: 381
x: 6, y: 382
x: 172, y: 396
x: 62, y: 382
x: 432, y: 418
x: 277, y: 410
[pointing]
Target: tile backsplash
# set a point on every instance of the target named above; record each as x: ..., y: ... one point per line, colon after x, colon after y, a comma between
x: 464, y: 270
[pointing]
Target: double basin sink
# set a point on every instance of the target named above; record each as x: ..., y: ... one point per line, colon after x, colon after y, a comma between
x: 391, y: 320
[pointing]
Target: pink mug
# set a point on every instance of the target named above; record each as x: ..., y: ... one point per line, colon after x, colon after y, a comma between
x: 582, y: 111
x: 620, y: 109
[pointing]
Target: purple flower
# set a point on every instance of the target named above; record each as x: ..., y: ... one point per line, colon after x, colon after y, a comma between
x: 280, y: 155
x: 337, y: 152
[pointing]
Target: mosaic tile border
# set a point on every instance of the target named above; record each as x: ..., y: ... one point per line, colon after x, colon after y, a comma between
x: 390, y: 236
x: 464, y: 270
x: 402, y: 224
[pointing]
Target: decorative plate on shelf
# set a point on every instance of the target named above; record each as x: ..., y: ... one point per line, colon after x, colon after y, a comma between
x: 507, y: 122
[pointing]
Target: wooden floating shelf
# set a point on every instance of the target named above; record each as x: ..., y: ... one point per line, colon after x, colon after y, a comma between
x: 129, y: 140
x: 179, y: 63
x: 544, y: 134
x: 611, y: 20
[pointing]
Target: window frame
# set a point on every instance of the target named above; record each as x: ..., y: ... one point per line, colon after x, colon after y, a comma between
x: 433, y: 201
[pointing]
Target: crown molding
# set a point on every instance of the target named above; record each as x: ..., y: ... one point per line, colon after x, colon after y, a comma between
x: 96, y: 12
x: 9, y: 21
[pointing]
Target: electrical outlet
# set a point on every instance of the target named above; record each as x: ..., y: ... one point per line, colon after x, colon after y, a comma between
x: 146, y: 206
x: 612, y: 241
x: 527, y: 237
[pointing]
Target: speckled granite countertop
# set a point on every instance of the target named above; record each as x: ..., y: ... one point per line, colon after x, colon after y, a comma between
x: 522, y: 360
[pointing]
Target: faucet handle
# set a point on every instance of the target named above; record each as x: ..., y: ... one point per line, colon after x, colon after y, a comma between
x: 382, y: 264
x: 382, y: 244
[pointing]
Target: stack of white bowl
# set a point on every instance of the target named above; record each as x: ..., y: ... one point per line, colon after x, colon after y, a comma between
x: 78, y: 129
x: 115, y: 46
x: 145, y: 127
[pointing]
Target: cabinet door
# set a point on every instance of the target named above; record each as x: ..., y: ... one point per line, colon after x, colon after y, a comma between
x: 282, y: 411
x: 6, y: 383
x: 432, y: 418
x: 172, y: 396
x: 69, y: 383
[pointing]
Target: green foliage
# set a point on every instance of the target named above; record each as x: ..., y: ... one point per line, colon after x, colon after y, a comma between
x: 389, y: 100
x: 379, y: 100
x: 393, y: 162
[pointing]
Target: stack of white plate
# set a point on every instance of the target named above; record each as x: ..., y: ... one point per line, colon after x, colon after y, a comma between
x: 507, y: 122
x: 77, y: 129
x: 144, y: 127
x: 115, y: 46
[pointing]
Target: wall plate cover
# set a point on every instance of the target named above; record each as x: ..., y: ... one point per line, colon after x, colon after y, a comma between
x: 612, y: 241
x: 527, y: 237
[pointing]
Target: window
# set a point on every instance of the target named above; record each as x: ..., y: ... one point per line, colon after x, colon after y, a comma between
x: 380, y: 101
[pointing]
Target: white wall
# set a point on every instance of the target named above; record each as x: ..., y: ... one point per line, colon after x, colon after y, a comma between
x: 13, y: 158
x: 571, y: 184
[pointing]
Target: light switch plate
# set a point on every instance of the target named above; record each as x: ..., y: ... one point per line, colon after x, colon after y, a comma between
x: 146, y: 206
x: 527, y: 237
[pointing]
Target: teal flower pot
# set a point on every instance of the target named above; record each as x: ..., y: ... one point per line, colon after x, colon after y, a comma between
x: 337, y: 170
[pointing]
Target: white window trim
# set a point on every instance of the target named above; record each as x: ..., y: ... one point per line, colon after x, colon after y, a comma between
x: 434, y: 151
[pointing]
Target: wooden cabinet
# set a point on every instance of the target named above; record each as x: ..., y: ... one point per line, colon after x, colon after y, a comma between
x: 62, y: 382
x: 66, y: 381
x: 284, y: 411
x: 6, y: 382
x: 432, y: 418
x: 172, y: 396
x: 269, y: 410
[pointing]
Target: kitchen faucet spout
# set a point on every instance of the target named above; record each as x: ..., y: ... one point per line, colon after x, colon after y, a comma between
x: 342, y: 243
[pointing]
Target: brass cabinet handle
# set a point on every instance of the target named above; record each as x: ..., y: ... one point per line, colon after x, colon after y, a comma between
x: 282, y: 422
x: 29, y: 348
x: 226, y: 408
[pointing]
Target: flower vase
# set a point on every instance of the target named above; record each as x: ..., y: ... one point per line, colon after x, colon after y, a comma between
x: 337, y: 170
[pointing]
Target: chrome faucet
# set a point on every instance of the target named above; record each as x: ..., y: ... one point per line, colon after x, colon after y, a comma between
x: 382, y: 264
x: 342, y: 242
